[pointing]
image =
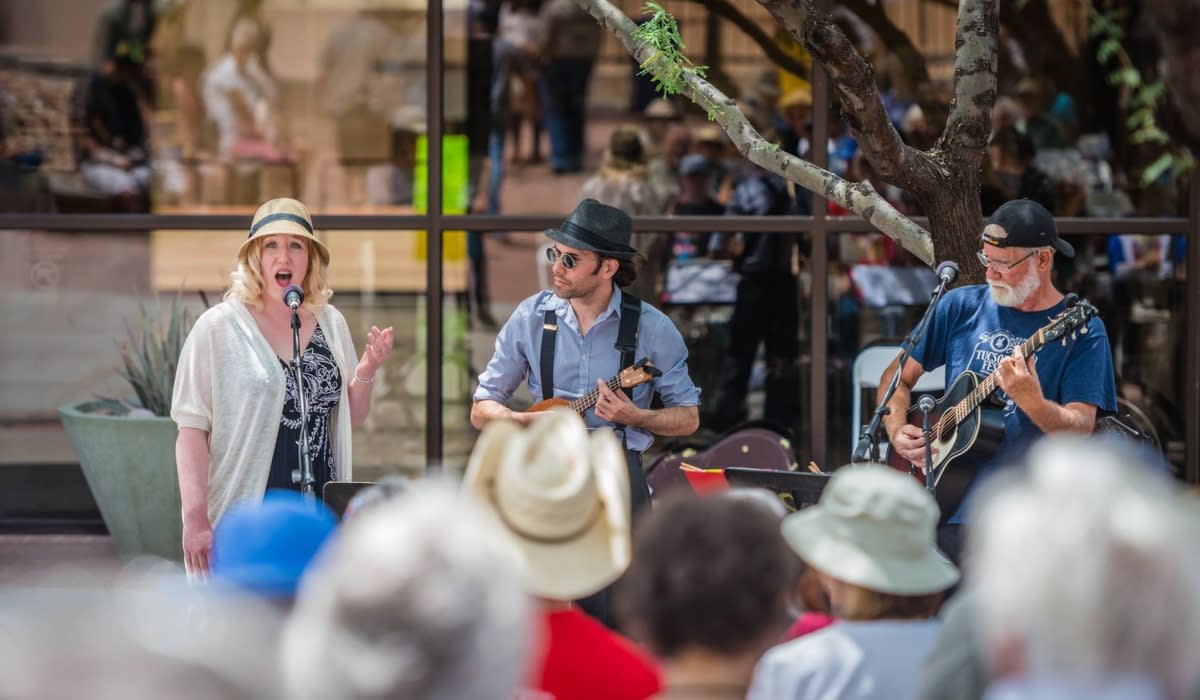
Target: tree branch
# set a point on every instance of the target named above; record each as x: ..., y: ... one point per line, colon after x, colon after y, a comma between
x: 893, y: 37
x: 969, y: 123
x: 859, y: 198
x: 772, y: 50
x: 852, y: 78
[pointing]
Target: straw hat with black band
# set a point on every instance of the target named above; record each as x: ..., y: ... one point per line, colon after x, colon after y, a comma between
x: 283, y: 216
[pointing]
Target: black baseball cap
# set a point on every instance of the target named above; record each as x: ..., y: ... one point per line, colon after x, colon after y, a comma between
x: 1026, y: 224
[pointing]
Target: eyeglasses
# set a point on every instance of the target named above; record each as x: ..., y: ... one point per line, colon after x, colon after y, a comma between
x: 1005, y: 266
x: 569, y: 260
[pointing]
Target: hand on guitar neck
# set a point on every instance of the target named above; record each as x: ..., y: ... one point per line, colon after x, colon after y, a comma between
x: 610, y: 401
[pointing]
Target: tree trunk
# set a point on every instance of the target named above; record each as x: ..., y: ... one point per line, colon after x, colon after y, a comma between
x: 954, y: 219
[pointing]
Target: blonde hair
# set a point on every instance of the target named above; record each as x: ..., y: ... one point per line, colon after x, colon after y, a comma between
x: 246, y: 283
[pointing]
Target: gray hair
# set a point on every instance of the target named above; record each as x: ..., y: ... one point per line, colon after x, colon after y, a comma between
x: 421, y: 598
x: 1084, y: 565
x: 140, y: 639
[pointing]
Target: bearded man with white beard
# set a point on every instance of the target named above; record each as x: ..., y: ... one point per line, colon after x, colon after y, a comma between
x: 980, y: 328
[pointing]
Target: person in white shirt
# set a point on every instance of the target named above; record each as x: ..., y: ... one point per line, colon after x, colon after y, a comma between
x: 871, y: 540
x: 235, y: 398
x: 241, y: 97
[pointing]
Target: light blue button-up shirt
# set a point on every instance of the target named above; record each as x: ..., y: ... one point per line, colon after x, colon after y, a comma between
x: 580, y: 360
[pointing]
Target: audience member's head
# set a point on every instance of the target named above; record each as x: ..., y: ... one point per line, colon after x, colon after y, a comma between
x: 710, y: 141
x: 1005, y: 113
x: 244, y: 38
x: 658, y: 117
x: 136, y: 638
x: 264, y: 548
x: 1086, y: 570
x: 872, y: 539
x: 420, y: 598
x: 710, y: 575
x: 563, y: 495
x: 625, y: 149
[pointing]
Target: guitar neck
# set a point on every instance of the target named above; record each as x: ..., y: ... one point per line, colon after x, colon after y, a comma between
x: 583, y: 403
x: 972, y: 401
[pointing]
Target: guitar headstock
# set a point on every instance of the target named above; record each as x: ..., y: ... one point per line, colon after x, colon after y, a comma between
x: 640, y: 372
x: 1070, y: 322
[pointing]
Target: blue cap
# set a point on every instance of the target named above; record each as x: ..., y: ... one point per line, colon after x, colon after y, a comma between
x: 694, y: 164
x: 265, y: 547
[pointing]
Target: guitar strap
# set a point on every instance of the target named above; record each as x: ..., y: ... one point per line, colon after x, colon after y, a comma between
x: 631, y: 312
x: 549, y: 331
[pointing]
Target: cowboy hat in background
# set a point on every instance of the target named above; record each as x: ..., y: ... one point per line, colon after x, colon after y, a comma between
x: 563, y: 495
x: 875, y: 528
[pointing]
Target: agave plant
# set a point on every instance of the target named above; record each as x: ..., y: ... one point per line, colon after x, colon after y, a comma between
x: 150, y: 355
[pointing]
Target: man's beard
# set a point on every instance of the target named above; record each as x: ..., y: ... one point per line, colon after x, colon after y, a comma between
x: 1008, y: 295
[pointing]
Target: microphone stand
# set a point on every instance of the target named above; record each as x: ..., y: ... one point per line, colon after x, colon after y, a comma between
x: 867, y: 449
x: 303, y: 475
x: 927, y: 405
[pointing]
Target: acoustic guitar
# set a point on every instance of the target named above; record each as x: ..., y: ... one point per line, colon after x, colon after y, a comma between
x: 636, y: 374
x: 965, y: 432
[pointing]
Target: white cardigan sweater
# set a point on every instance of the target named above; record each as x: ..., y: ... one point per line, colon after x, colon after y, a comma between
x: 230, y: 385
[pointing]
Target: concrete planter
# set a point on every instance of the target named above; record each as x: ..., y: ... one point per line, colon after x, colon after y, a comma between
x: 129, y: 464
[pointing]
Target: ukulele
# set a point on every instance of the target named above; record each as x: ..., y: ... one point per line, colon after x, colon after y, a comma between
x: 638, y: 373
x: 966, y: 433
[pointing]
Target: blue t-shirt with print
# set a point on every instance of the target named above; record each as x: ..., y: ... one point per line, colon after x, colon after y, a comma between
x: 969, y: 331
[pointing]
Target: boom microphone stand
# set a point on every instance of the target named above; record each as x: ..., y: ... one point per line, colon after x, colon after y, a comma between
x: 867, y: 449
x: 293, y: 296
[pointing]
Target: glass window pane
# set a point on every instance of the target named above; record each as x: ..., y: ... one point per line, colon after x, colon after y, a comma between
x: 207, y: 105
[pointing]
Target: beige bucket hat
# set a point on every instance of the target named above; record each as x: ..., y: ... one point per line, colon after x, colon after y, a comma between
x: 563, y: 495
x: 873, y: 527
x: 283, y: 216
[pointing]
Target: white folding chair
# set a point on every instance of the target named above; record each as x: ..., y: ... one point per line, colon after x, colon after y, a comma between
x: 868, y: 366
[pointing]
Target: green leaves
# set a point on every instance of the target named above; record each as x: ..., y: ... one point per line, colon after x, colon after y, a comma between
x: 150, y: 352
x: 667, y: 65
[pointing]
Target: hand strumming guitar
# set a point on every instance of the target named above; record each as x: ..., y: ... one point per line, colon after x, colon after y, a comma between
x: 909, y: 442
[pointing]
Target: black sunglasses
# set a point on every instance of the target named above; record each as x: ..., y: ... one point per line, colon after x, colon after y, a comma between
x: 569, y: 260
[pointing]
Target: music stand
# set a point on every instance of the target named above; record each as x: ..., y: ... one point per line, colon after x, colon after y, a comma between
x: 797, y: 489
x: 338, y: 494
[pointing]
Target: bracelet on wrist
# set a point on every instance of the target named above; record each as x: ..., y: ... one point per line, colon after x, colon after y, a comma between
x: 360, y: 379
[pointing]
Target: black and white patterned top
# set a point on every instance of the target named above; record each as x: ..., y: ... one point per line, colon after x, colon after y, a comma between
x: 323, y: 390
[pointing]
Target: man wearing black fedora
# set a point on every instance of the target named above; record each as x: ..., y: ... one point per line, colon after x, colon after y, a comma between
x: 572, y: 339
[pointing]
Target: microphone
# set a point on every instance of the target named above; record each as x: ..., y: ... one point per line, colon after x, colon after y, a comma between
x: 293, y: 296
x: 926, y: 404
x: 947, y: 272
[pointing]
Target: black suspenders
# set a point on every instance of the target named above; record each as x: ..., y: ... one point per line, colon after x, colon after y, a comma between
x: 631, y: 311
x: 549, y: 331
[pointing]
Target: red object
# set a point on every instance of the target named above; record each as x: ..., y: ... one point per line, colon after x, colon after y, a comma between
x: 705, y: 481
x: 581, y: 659
x: 808, y: 623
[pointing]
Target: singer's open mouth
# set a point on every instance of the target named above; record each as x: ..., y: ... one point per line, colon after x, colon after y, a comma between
x: 283, y: 279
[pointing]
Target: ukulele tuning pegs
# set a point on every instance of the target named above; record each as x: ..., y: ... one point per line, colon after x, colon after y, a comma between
x: 1084, y: 330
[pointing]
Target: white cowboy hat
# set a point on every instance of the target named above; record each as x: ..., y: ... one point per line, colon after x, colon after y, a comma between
x: 873, y: 527
x: 563, y: 494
